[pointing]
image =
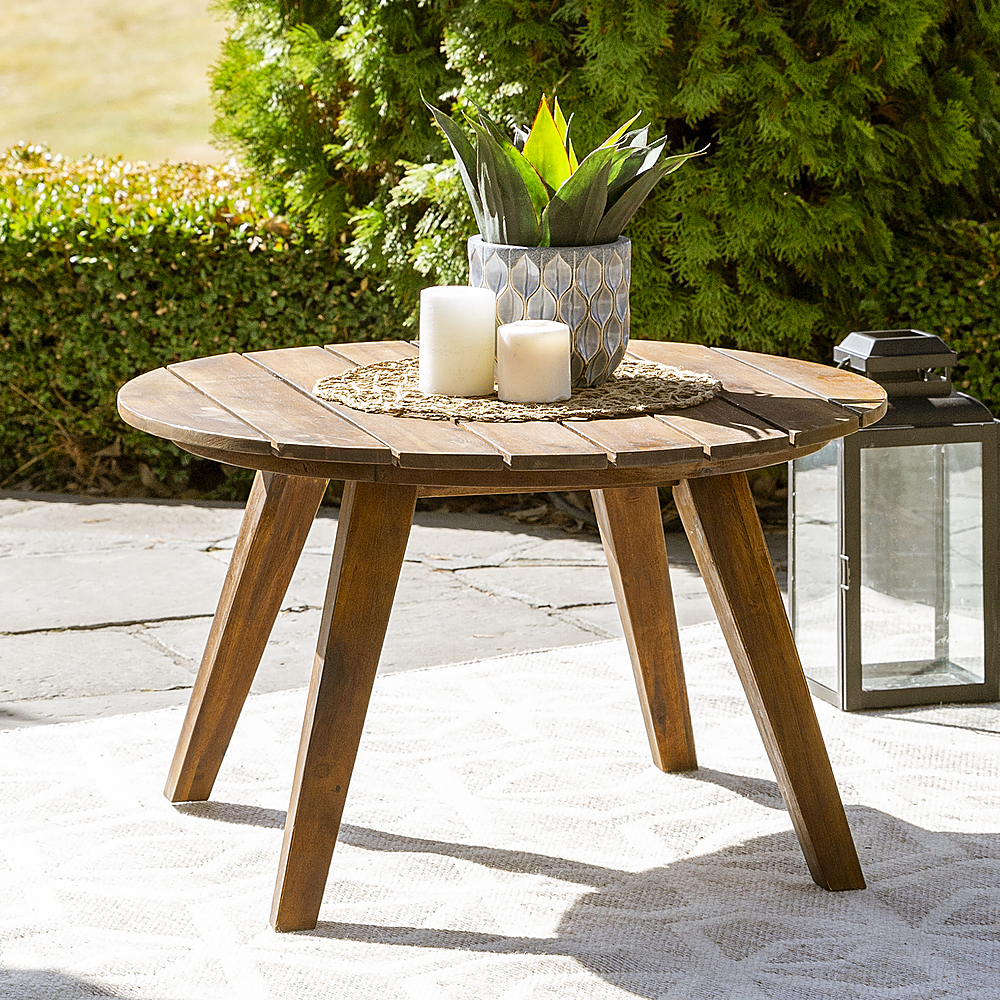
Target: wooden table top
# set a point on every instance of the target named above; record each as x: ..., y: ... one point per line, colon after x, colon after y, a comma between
x: 257, y: 411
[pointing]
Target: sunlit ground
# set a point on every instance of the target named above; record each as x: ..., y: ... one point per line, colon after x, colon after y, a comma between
x: 109, y: 76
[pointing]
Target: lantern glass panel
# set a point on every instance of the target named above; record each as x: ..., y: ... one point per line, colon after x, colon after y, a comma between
x: 921, y: 566
x: 816, y: 560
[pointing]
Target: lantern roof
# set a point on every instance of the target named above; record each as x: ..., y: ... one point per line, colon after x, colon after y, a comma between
x: 874, y: 351
x: 900, y: 360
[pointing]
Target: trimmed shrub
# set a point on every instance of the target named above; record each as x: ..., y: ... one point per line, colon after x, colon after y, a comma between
x: 109, y: 269
x: 834, y: 128
x: 946, y: 280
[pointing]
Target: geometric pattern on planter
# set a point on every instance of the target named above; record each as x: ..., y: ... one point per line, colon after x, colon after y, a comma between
x: 587, y: 288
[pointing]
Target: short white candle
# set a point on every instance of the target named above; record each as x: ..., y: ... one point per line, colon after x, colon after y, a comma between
x: 533, y: 361
x: 457, y: 340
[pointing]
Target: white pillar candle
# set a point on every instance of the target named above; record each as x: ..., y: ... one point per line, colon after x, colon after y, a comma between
x: 533, y: 361
x: 457, y: 340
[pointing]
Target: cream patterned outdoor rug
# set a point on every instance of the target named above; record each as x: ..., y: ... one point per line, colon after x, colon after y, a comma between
x: 506, y: 837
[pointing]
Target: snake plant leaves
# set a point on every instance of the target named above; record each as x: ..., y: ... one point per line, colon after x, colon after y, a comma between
x: 533, y: 191
x: 575, y: 211
x: 638, y: 161
x: 534, y: 185
x: 565, y: 126
x: 636, y: 139
x: 627, y: 204
x: 619, y: 132
x: 490, y: 125
x: 512, y: 194
x: 570, y: 151
x: 465, y: 160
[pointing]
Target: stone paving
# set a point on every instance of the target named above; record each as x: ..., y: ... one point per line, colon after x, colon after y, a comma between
x: 105, y: 605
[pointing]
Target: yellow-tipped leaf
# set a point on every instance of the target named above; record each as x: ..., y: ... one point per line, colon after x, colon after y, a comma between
x: 563, y: 126
x: 618, y: 133
x: 544, y: 148
x: 559, y: 118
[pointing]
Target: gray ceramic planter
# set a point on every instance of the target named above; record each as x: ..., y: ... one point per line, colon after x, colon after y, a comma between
x: 586, y: 288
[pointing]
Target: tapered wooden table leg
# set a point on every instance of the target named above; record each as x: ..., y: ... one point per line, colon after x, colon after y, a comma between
x: 371, y: 539
x: 632, y: 532
x: 274, y: 529
x: 722, y: 525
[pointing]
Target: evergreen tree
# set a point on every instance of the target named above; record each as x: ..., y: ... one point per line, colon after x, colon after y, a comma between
x: 835, y: 127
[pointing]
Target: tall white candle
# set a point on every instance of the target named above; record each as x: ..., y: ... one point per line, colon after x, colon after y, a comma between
x: 457, y: 340
x: 533, y: 361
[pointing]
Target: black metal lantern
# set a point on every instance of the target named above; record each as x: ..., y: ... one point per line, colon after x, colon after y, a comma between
x: 893, y: 539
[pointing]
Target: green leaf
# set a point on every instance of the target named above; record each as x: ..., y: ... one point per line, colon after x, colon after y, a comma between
x: 564, y: 124
x: 559, y: 118
x: 544, y: 149
x: 619, y: 215
x: 534, y: 185
x: 570, y: 151
x: 465, y: 159
x: 637, y: 139
x: 637, y: 162
x: 508, y: 210
x: 490, y: 125
x: 619, y: 132
x: 576, y: 209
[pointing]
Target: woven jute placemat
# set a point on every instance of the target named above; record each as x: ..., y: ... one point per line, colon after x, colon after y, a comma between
x: 636, y: 387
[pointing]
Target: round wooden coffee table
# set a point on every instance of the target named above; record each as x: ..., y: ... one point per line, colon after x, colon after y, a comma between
x: 257, y: 411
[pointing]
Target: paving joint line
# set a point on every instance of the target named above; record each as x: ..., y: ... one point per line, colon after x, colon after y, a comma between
x: 130, y: 545
x: 292, y: 609
x: 583, y: 624
x: 103, y: 625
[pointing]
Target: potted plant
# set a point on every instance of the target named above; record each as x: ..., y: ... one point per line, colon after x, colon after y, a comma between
x: 550, y: 225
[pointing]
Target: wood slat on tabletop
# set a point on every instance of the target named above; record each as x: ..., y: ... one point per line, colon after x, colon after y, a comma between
x: 633, y: 441
x: 725, y: 431
x: 370, y: 353
x: 298, y: 427
x: 834, y: 384
x: 539, y: 445
x: 524, y: 446
x: 414, y: 444
x: 162, y: 404
x: 530, y: 447
x: 627, y: 442
x: 806, y: 417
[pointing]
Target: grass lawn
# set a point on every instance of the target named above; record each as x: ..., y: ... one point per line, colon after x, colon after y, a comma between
x: 109, y: 76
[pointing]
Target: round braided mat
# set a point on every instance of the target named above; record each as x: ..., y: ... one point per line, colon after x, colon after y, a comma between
x: 636, y: 387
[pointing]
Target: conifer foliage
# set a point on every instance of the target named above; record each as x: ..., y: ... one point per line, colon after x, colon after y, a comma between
x: 835, y: 128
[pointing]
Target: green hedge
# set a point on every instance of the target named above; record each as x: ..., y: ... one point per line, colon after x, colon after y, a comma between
x: 109, y: 269
x: 945, y: 281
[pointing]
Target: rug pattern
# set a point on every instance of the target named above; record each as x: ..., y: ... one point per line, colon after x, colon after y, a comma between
x: 506, y: 837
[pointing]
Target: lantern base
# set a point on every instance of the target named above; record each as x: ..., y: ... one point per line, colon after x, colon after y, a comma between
x: 909, y: 696
x: 926, y: 674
